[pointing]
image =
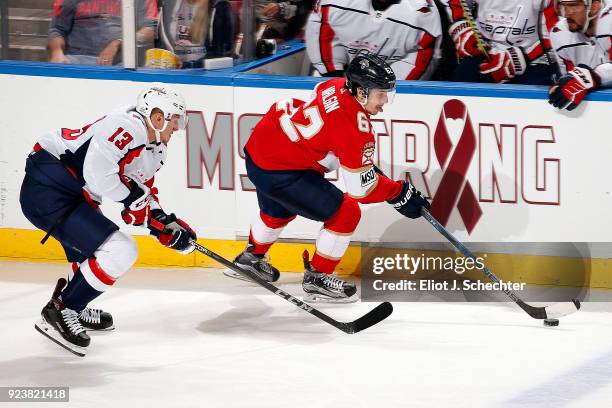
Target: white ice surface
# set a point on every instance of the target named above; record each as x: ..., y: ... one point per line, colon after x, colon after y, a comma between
x: 193, y: 338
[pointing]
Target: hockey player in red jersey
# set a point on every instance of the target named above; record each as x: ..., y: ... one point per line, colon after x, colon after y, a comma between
x: 68, y: 174
x: 287, y: 155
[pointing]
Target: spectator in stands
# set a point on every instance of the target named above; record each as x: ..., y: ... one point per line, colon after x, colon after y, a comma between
x: 503, y: 42
x: 282, y: 20
x: 197, y: 29
x: 407, y: 34
x: 223, y: 20
x: 89, y: 31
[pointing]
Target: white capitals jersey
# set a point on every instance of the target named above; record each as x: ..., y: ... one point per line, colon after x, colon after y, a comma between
x: 575, y: 49
x: 407, y: 35
x: 107, y: 151
x: 504, y: 23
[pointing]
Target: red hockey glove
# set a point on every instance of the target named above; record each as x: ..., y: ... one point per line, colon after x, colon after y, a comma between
x: 137, y: 210
x: 464, y: 37
x: 505, y: 64
x: 573, y: 87
x: 171, y: 231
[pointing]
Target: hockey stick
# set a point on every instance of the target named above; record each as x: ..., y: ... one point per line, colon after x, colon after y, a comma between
x: 376, y: 315
x: 549, y: 312
x: 551, y: 57
x: 471, y: 22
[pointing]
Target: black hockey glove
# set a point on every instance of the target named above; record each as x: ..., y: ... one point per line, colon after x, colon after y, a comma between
x: 171, y: 231
x: 409, y: 201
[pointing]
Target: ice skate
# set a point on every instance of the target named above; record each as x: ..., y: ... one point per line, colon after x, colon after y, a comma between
x: 96, y: 319
x: 325, y: 288
x: 258, y: 264
x: 62, y: 325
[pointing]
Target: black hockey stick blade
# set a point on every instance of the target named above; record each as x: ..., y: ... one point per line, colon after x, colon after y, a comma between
x: 376, y: 315
x: 548, y: 312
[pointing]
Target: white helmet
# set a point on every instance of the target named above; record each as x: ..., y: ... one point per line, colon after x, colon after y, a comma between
x: 587, y: 6
x: 166, y: 99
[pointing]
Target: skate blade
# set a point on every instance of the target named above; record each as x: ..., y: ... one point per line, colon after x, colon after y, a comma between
x: 233, y: 274
x: 47, y: 330
x: 90, y: 330
x: 318, y: 298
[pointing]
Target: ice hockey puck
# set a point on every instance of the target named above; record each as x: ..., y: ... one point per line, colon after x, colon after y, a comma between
x: 551, y: 322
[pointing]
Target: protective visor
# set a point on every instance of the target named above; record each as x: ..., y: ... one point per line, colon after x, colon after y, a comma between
x: 181, y: 121
x: 572, y: 6
x: 381, y: 96
x: 577, y: 6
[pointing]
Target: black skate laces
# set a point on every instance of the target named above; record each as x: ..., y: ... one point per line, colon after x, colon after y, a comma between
x: 71, y: 319
x: 90, y: 315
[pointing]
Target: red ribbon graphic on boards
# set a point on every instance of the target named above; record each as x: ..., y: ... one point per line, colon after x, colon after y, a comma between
x: 454, y: 189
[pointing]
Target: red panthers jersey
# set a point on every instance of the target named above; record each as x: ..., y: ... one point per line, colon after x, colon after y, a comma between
x: 330, y: 131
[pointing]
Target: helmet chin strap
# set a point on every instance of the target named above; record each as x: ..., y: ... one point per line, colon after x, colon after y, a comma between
x: 588, y: 22
x: 363, y: 104
x: 366, y: 96
x: 157, y: 132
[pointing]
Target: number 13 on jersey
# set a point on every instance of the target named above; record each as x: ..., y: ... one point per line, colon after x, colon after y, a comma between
x: 123, y: 141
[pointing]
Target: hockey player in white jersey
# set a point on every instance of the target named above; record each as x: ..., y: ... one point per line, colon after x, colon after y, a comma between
x: 581, y: 40
x: 502, y: 41
x: 405, y: 33
x: 69, y: 172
